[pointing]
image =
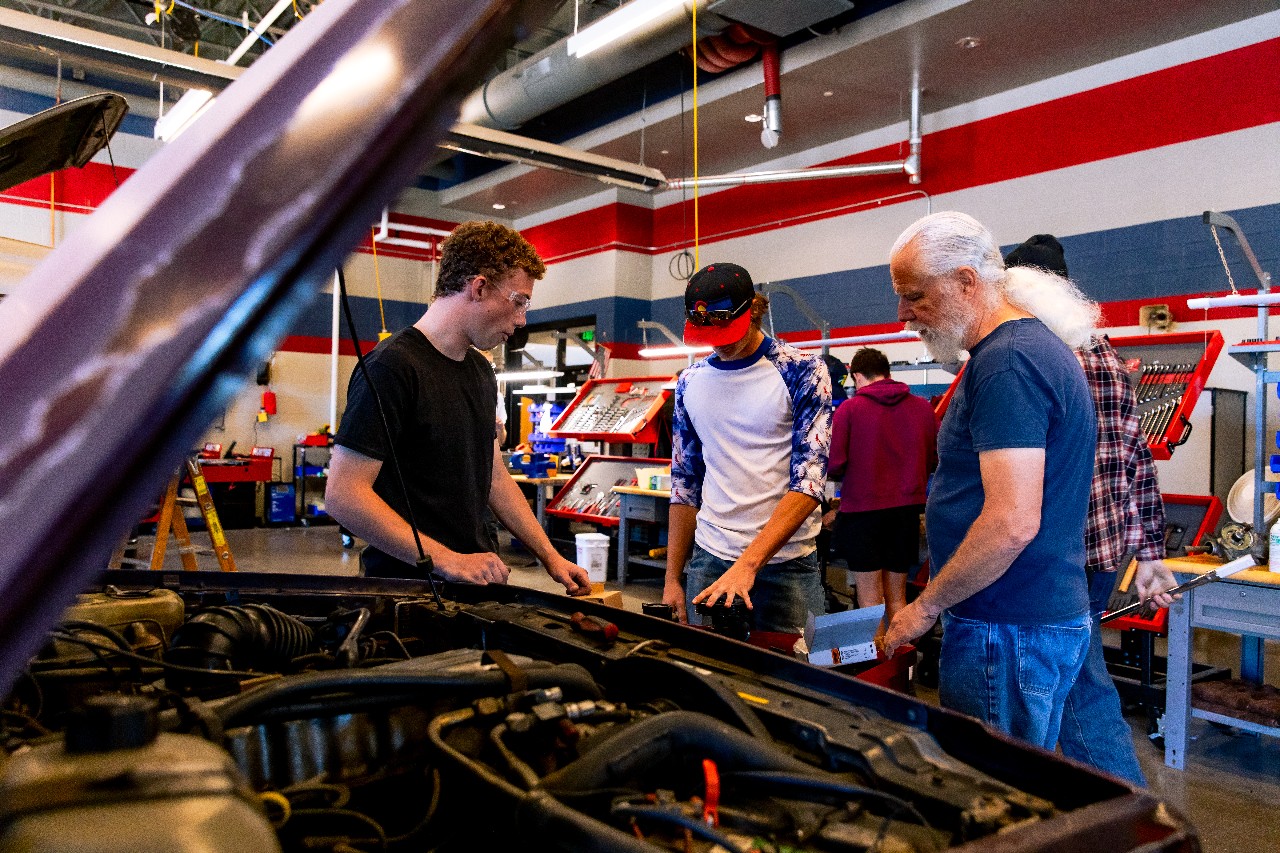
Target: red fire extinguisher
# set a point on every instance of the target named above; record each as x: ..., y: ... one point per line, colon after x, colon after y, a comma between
x: 269, y: 401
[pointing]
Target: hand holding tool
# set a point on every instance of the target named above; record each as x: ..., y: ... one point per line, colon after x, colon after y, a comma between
x: 1224, y: 571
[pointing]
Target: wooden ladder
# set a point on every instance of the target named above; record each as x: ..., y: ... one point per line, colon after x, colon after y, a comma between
x: 172, y: 519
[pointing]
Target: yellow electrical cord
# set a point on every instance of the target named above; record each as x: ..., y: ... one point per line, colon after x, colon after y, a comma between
x: 694, y: 52
x: 377, y: 279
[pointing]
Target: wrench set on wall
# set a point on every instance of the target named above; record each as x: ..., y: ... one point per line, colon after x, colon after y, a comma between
x: 1168, y: 372
x: 1159, y: 394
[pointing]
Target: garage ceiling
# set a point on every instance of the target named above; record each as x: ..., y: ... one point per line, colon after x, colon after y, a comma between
x: 841, y: 78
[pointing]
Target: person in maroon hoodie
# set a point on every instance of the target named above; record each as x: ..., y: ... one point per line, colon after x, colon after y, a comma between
x: 884, y: 446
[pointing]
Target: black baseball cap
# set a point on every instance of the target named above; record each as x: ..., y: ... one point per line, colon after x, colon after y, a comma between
x: 717, y: 305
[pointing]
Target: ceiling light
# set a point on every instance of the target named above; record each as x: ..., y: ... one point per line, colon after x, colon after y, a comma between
x: 672, y: 352
x: 753, y: 118
x: 828, y: 93
x: 968, y: 42
x: 617, y: 24
x: 180, y: 116
x: 499, y: 207
x: 500, y: 145
x: 665, y: 151
x: 529, y: 375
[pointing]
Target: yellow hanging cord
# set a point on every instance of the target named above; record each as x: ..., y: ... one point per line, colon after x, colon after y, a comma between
x: 377, y: 279
x: 53, y: 176
x: 197, y: 50
x: 694, y: 51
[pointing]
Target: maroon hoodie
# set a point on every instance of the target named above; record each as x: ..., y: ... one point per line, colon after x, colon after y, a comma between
x: 884, y: 443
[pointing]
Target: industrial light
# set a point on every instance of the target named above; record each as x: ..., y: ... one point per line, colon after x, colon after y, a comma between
x: 672, y: 352
x: 531, y: 375
x: 549, y: 390
x: 500, y: 145
x: 615, y: 25
x: 180, y: 116
x: 499, y: 207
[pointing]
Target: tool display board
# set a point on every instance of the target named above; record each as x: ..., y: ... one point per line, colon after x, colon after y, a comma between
x: 1168, y: 373
x: 617, y: 410
x: 589, y: 495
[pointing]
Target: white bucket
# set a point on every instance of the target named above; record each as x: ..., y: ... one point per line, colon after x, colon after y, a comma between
x: 593, y: 555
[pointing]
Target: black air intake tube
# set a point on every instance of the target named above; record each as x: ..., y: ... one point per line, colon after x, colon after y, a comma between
x: 254, y: 636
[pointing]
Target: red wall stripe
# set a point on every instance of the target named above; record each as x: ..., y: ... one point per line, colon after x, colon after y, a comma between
x: 1206, y: 97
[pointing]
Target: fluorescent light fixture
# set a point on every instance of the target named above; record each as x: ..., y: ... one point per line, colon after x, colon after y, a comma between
x: 549, y: 390
x: 529, y: 375
x: 511, y: 148
x: 615, y: 25
x: 180, y: 116
x: 672, y: 352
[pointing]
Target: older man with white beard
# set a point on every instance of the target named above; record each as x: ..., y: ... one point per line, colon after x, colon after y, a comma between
x: 1006, y: 511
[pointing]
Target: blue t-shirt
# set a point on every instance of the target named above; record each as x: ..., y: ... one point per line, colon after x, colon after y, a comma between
x: 1022, y: 387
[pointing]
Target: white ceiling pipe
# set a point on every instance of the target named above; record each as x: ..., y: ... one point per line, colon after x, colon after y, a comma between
x: 552, y: 78
x: 1235, y: 300
x: 896, y: 167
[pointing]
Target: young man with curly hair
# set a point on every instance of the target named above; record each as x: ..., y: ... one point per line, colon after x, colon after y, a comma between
x: 437, y: 393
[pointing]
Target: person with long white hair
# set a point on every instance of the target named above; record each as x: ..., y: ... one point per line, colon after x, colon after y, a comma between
x: 1005, y: 514
x: 1126, y: 512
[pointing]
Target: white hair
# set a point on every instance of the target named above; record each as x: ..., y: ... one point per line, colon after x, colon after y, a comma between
x: 949, y: 240
x: 1054, y: 301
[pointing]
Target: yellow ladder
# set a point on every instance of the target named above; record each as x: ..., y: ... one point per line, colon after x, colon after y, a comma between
x: 172, y: 519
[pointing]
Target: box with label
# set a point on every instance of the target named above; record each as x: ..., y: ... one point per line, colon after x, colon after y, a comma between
x: 840, y: 638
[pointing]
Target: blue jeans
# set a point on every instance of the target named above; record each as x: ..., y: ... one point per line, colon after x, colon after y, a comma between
x: 783, y: 594
x: 1013, y: 677
x: 1093, y: 726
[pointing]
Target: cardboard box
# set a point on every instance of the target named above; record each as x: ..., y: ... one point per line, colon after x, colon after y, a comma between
x: 839, y: 638
x: 610, y: 599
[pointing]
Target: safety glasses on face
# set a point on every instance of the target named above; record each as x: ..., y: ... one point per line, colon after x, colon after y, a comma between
x: 701, y: 315
x: 519, y: 300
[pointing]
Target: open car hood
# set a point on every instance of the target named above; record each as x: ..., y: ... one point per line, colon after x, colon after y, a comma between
x: 66, y: 135
x: 479, y: 722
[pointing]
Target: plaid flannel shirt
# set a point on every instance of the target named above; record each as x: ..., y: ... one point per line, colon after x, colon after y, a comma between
x: 1126, y: 512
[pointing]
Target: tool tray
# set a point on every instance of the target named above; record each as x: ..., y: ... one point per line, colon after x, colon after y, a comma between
x: 589, y: 496
x: 617, y: 410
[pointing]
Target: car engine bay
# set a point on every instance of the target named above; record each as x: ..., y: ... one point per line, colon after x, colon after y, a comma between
x: 189, y: 711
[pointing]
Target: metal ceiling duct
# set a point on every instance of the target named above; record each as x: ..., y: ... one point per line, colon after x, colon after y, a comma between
x: 552, y: 77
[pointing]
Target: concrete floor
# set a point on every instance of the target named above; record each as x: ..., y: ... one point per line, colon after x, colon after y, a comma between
x: 1230, y: 791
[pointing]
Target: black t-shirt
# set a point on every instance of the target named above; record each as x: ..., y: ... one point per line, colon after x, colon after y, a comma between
x: 441, y: 414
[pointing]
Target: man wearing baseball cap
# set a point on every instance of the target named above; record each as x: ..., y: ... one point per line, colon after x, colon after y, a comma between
x: 750, y: 438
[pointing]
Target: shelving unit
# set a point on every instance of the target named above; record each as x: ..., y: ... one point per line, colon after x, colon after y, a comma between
x: 310, y: 473
x: 1248, y: 603
x: 640, y: 506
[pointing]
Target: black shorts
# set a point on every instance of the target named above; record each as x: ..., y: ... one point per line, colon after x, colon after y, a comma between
x: 879, y: 539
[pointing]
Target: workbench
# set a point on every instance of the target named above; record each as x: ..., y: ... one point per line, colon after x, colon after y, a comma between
x: 1247, y: 604
x: 544, y: 489
x: 643, y: 505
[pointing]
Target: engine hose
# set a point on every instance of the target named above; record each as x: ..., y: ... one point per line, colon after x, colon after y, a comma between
x: 576, y: 682
x: 661, y: 737
x: 538, y: 814
x: 254, y: 636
